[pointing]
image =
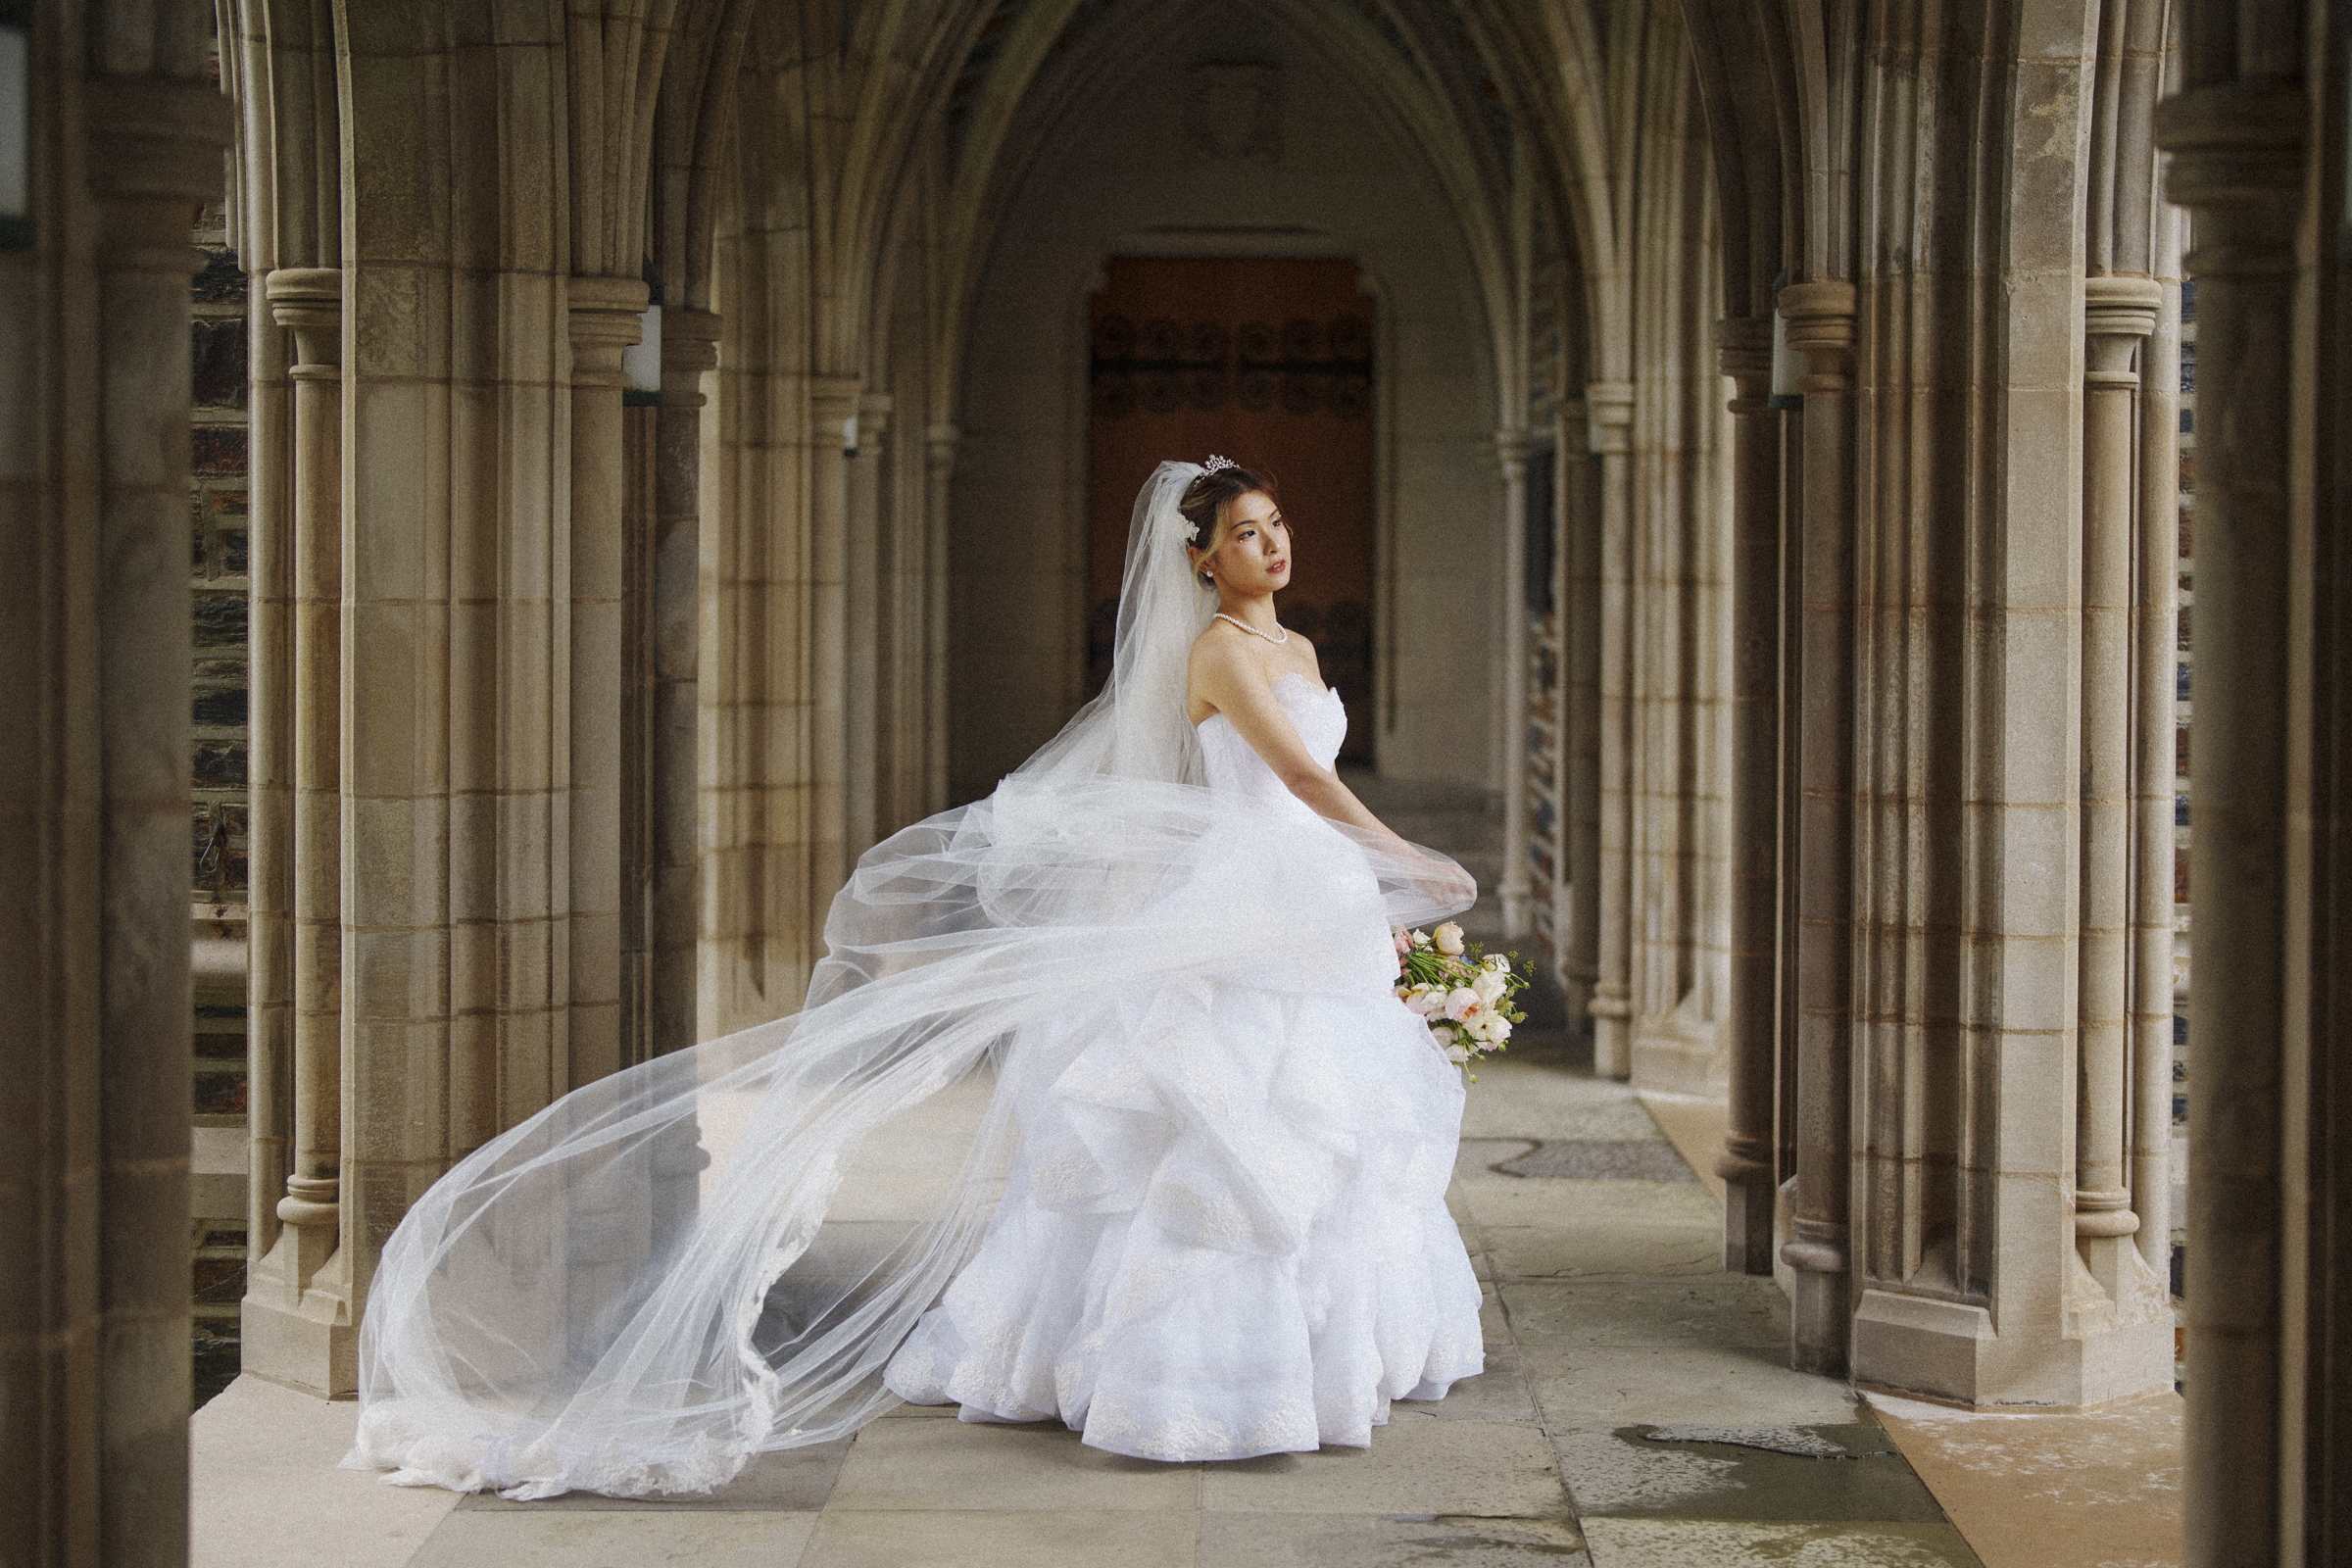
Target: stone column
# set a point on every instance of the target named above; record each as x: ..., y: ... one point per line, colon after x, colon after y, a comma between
x: 604, y: 320
x: 1576, y: 912
x: 1510, y: 446
x: 689, y: 350
x: 1749, y: 1021
x: 2117, y: 314
x: 153, y: 153
x: 1820, y: 326
x: 1609, y: 415
x: 831, y: 402
x: 2237, y: 146
x: 939, y: 451
x: 2154, y: 736
x: 866, y: 591
x: 298, y: 1320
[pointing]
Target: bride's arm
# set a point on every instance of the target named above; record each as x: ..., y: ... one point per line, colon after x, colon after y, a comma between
x: 1231, y: 681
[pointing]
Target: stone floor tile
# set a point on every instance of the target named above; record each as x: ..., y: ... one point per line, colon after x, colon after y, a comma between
x: 1604, y: 1246
x: 1371, y: 1541
x: 1526, y: 1100
x: 265, y: 1490
x: 790, y: 1479
x: 1567, y: 1206
x: 1626, y: 1473
x: 1723, y: 1543
x: 848, y: 1537
x: 2093, y: 1488
x: 1587, y: 1386
x: 632, y: 1539
x: 1499, y: 1394
x: 969, y: 1465
x: 1713, y: 1310
x: 1417, y: 1464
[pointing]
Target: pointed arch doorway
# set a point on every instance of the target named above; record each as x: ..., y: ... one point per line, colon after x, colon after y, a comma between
x: 1269, y: 363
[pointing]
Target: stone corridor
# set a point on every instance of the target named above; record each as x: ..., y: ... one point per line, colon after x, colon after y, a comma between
x: 1638, y: 1411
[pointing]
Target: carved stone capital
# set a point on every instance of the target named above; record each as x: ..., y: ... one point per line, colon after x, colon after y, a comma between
x: 150, y: 138
x: 1510, y: 449
x: 154, y: 152
x: 832, y: 399
x: 939, y: 442
x: 2117, y: 312
x: 1609, y: 416
x: 308, y: 301
x: 1743, y: 352
x: 605, y: 313
x: 1820, y: 326
x: 689, y: 348
x: 2238, y: 155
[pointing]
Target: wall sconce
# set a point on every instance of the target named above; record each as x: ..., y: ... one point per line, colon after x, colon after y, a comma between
x: 641, y: 363
x: 16, y: 125
x: 1787, y: 365
x: 849, y: 436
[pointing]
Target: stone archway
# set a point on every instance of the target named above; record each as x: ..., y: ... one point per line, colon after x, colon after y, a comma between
x: 1110, y: 171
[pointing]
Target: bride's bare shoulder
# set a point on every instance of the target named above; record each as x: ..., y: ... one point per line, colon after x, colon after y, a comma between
x: 1219, y: 661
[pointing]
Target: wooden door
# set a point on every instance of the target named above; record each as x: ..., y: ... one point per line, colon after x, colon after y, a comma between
x: 1269, y: 362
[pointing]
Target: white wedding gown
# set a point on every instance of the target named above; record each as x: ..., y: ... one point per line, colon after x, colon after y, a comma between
x: 1098, y: 1105
x: 1225, y: 1230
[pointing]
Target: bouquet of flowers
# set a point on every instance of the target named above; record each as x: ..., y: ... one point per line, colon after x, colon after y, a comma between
x: 1462, y: 993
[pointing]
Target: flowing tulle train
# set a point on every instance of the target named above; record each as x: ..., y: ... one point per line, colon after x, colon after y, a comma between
x: 1152, y: 1010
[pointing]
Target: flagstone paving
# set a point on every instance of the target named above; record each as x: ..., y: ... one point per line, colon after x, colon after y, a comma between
x: 1608, y: 1318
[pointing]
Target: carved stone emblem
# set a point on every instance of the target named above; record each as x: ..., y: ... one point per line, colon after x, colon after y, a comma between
x: 1233, y: 112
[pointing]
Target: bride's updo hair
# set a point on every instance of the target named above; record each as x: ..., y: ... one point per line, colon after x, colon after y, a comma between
x: 1206, y: 501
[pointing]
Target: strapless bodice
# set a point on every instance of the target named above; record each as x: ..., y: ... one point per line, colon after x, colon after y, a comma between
x: 1233, y: 764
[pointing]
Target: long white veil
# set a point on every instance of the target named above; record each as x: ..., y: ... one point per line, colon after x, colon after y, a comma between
x: 714, y: 1254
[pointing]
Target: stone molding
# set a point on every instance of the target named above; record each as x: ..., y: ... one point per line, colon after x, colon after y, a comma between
x: 604, y: 319
x: 690, y: 340
x: 1609, y: 416
x: 308, y: 301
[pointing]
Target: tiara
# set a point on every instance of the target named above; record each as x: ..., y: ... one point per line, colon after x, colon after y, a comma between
x: 1215, y: 462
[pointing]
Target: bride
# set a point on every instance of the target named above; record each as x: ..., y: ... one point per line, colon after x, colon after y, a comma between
x: 1101, y: 1107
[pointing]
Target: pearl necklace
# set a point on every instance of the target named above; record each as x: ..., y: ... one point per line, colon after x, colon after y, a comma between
x: 1255, y: 632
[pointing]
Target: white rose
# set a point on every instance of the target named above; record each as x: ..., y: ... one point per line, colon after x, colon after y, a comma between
x: 1490, y: 987
x: 1450, y: 940
x: 1426, y: 1001
x: 1497, y: 962
x: 1456, y: 1054
x: 1420, y: 939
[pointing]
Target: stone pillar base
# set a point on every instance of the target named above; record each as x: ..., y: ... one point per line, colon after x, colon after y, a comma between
x: 1751, y: 1241
x: 303, y: 1352
x: 1949, y: 1350
x: 312, y: 1345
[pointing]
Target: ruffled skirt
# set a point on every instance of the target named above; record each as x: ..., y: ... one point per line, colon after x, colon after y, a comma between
x: 1224, y: 1234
